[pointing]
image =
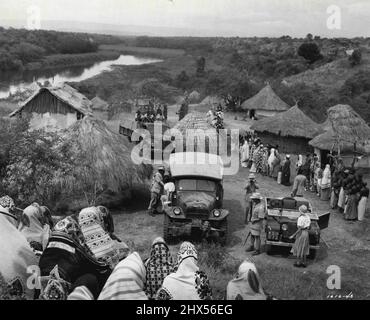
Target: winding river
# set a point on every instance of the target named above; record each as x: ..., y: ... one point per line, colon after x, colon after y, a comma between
x: 12, y: 83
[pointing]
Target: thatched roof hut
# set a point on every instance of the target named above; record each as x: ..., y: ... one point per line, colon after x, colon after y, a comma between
x: 198, y: 133
x: 265, y: 103
x: 212, y: 101
x: 105, y: 159
x: 347, y: 124
x: 54, y: 108
x: 291, y: 130
x: 65, y: 99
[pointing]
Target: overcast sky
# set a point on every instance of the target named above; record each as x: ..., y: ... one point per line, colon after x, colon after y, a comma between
x: 210, y: 17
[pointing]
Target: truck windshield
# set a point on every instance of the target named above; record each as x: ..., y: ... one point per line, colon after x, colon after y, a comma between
x: 196, y: 185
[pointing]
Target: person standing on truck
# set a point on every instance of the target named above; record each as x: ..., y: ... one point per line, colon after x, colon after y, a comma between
x: 156, y: 190
x: 250, y: 188
x: 301, y: 247
x: 256, y: 224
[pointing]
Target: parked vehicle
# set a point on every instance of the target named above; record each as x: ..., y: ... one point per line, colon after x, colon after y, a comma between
x: 195, y: 208
x: 282, y: 216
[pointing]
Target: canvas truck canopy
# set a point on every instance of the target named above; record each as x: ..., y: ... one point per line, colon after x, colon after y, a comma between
x: 196, y: 164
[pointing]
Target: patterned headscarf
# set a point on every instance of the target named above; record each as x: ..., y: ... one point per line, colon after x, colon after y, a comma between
x: 70, y: 229
x: 188, y: 282
x: 6, y: 205
x: 158, y: 266
x: 97, y: 237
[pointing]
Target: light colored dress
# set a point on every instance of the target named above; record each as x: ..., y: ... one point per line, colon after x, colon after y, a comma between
x: 362, y: 208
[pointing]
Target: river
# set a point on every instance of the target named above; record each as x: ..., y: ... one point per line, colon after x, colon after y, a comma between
x: 18, y: 82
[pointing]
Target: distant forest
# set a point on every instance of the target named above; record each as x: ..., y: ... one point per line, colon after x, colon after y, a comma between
x: 18, y: 47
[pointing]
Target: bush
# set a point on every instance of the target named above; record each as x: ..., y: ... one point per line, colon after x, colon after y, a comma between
x: 355, y: 58
x: 310, y: 51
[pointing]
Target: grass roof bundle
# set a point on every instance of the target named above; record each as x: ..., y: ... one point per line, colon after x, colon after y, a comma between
x: 204, y: 134
x: 347, y: 125
x: 103, y: 158
x: 291, y: 123
x: 267, y: 100
x: 327, y: 141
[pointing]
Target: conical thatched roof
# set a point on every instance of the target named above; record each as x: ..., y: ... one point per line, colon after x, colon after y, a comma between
x: 292, y: 123
x: 194, y: 97
x: 348, y: 125
x: 212, y: 100
x: 105, y: 155
x: 327, y: 141
x: 267, y: 100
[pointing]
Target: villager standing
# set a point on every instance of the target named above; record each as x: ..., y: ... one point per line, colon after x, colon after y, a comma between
x: 326, y: 183
x: 285, y: 179
x: 156, y: 190
x: 275, y: 165
x: 245, y: 154
x: 299, y: 185
x: 257, y: 217
x: 318, y: 178
x: 250, y: 188
x: 364, y: 195
x: 165, y: 111
x: 301, y: 247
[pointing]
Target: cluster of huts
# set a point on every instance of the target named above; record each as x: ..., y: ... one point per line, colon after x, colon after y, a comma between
x: 343, y: 132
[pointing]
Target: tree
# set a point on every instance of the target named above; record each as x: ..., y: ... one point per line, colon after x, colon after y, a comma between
x: 37, y: 164
x: 310, y: 51
x: 355, y: 58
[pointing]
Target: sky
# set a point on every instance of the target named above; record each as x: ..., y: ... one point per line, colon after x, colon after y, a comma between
x: 204, y: 17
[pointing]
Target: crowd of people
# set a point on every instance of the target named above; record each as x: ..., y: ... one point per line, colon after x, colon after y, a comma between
x: 343, y: 187
x: 80, y: 258
x: 152, y: 113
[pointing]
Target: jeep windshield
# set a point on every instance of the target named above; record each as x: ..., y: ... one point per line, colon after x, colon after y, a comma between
x: 196, y: 185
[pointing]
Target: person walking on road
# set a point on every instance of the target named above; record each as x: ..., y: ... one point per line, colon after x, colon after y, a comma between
x: 156, y: 190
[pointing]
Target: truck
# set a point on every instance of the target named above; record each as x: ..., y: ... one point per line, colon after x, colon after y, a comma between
x: 282, y: 216
x: 195, y: 208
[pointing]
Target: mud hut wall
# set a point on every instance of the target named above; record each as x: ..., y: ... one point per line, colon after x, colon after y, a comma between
x: 288, y: 145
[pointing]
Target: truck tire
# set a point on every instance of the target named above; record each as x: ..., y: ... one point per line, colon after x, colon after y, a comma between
x: 166, y: 226
x: 223, y: 238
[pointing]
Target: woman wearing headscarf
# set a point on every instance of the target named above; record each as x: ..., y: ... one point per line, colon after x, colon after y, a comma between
x: 285, y: 178
x: 38, y: 231
x: 16, y: 256
x: 276, y: 165
x: 188, y: 282
x: 326, y: 183
x: 364, y: 195
x: 271, y: 160
x: 245, y: 154
x: 318, y: 178
x: 351, y: 205
x: 158, y: 266
x: 246, y: 285
x: 127, y: 280
x: 67, y: 258
x: 301, y: 247
x: 96, y: 226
